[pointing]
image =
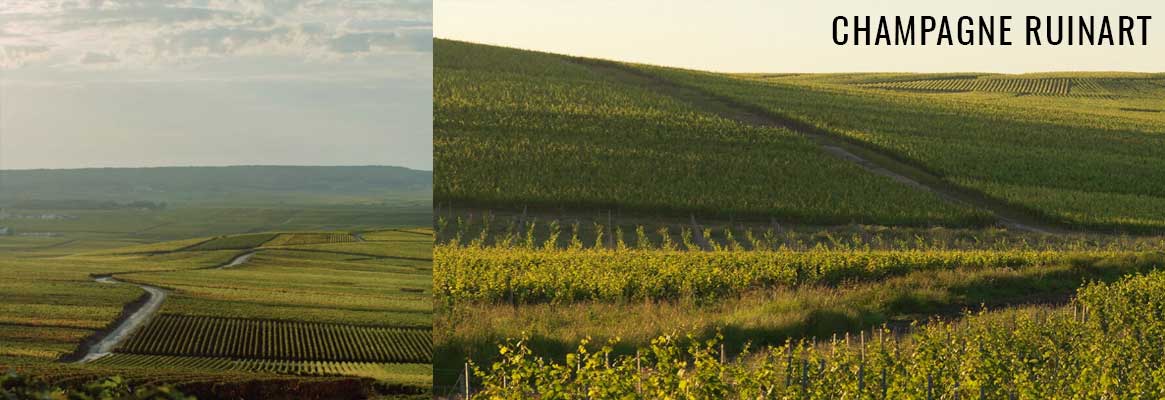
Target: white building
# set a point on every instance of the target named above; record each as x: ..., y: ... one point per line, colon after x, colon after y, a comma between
x: 4, y: 231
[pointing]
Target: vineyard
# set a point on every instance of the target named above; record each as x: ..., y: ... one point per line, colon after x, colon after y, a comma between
x: 531, y: 276
x: 1049, y: 86
x: 1106, y: 344
x: 284, y: 321
x: 235, y: 242
x: 1098, y: 87
x: 559, y: 134
x: 292, y: 239
x: 490, y: 229
x: 279, y: 340
x: 1085, y: 162
x: 288, y: 367
x: 701, y: 223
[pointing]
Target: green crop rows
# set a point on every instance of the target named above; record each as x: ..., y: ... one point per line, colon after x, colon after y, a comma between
x: 518, y: 128
x: 226, y: 337
x: 318, y: 368
x: 536, y: 275
x: 1106, y: 344
x: 1090, y: 163
x: 291, y: 239
x: 1051, y: 86
x: 235, y: 242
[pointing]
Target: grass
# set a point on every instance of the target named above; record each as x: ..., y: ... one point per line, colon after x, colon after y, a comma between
x: 234, y: 242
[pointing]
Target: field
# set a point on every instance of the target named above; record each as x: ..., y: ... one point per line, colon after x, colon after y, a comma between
x: 339, y: 306
x: 959, y: 236
x: 1099, y: 346
x: 638, y: 151
x: 317, y: 313
x: 1086, y: 158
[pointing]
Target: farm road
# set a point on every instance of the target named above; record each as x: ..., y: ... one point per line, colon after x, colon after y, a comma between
x: 139, y: 313
x: 136, y: 318
x: 238, y: 260
x: 869, y: 159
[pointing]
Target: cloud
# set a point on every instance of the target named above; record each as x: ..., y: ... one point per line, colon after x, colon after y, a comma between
x: 98, y: 58
x: 12, y: 56
x: 152, y: 33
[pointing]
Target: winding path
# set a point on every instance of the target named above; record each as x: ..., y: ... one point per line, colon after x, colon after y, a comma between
x: 139, y: 313
x: 129, y: 324
x: 238, y: 260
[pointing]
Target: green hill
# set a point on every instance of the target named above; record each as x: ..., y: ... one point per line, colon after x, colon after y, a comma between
x: 98, y: 188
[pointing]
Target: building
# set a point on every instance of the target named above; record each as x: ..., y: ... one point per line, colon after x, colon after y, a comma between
x: 4, y: 231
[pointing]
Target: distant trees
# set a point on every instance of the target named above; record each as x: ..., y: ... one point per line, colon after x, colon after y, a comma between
x: 84, y: 204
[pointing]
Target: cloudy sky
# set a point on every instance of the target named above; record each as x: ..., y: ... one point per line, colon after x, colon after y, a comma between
x: 785, y: 35
x: 97, y: 83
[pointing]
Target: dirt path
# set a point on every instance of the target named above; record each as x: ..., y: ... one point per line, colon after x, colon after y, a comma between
x: 136, y: 318
x: 869, y: 159
x: 239, y: 260
x: 138, y: 314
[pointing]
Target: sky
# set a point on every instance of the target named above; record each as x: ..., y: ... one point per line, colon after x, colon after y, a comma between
x: 785, y: 35
x: 142, y: 83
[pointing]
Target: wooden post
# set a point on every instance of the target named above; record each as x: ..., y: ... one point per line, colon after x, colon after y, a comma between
x: 861, y: 378
x: 883, y: 383
x: 610, y: 231
x: 638, y: 375
x: 467, y: 380
x: 804, y: 377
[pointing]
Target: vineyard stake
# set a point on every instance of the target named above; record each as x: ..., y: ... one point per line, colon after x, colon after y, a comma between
x: 804, y: 377
x: 467, y: 380
x: 638, y: 375
x: 883, y: 383
x: 861, y: 378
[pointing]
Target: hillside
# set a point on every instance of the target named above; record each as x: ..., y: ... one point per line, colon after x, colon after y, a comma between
x: 517, y: 129
x: 202, y: 185
x: 1079, y: 150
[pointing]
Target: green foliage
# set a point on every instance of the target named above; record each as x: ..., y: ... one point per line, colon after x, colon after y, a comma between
x: 517, y: 128
x: 1090, y: 161
x: 279, y: 340
x: 14, y: 386
x: 292, y: 239
x: 1106, y: 344
x: 235, y: 242
x: 312, y: 310
x: 530, y: 276
x: 413, y: 373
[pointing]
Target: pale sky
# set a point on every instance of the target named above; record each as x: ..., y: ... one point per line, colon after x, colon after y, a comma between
x: 103, y: 83
x: 785, y: 36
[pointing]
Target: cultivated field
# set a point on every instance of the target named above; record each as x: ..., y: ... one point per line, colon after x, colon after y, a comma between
x: 316, y: 295
x: 1085, y: 158
x: 527, y: 129
x: 829, y: 236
